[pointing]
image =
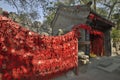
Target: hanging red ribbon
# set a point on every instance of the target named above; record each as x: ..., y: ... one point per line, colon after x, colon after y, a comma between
x: 25, y: 54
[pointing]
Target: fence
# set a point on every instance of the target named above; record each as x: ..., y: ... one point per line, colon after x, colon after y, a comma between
x: 29, y: 56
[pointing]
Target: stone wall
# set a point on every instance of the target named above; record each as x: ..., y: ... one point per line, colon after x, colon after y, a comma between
x: 115, y: 47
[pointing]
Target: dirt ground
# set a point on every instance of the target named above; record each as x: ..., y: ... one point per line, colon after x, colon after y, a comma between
x: 93, y: 70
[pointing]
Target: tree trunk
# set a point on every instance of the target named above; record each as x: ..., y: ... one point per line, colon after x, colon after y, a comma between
x: 95, y: 5
x: 111, y: 9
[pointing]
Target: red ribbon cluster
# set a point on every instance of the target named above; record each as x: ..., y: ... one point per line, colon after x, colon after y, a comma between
x: 96, y: 38
x: 97, y: 42
x: 27, y: 55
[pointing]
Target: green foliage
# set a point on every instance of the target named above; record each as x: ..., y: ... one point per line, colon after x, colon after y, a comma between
x: 115, y: 33
x: 102, y: 11
x: 50, y: 17
x: 116, y: 19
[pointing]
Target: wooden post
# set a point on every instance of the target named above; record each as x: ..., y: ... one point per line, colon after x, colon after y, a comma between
x: 87, y: 38
x: 76, y: 70
x: 107, y: 43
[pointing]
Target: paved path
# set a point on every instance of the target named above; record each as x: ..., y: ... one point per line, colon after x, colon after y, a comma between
x: 92, y: 72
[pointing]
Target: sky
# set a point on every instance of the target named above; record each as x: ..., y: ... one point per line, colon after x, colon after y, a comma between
x: 6, y: 7
x: 9, y: 8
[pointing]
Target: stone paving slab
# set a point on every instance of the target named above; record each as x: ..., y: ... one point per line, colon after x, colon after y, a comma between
x: 109, y: 64
x: 110, y: 68
x: 105, y: 63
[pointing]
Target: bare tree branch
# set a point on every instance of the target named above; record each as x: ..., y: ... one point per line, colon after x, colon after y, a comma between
x: 15, y: 5
x: 111, y: 9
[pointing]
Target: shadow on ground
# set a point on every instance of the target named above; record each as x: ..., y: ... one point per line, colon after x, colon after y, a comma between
x: 103, y: 68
